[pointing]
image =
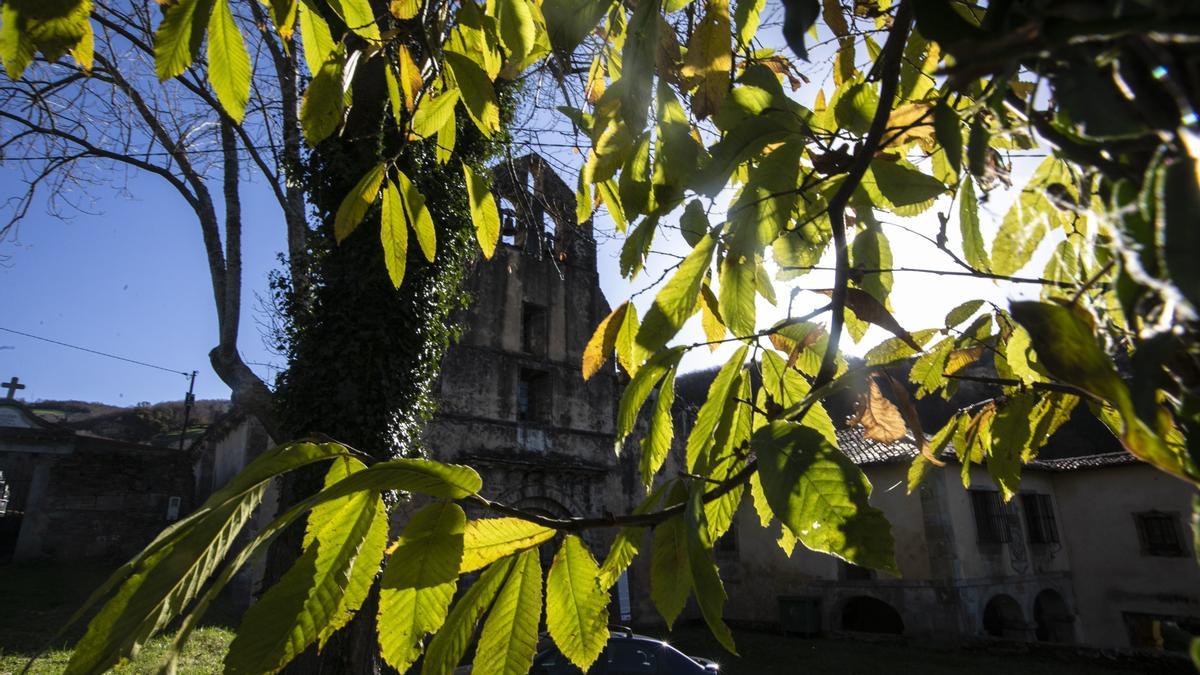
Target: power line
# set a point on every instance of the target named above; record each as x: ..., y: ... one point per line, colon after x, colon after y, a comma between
x: 93, y: 351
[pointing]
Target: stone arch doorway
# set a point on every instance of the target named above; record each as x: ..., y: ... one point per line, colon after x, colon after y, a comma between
x: 1002, y: 618
x: 864, y: 614
x: 1052, y: 618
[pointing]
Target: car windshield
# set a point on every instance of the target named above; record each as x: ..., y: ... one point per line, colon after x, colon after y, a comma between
x: 623, y: 656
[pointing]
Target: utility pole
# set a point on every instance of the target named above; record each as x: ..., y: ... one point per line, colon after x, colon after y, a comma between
x: 187, y: 408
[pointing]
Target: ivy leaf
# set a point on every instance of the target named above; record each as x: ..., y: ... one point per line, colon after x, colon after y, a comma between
x: 799, y: 16
x: 418, y: 583
x: 393, y: 233
x: 446, y: 648
x: 603, y: 341
x: 489, y: 539
x: 478, y: 95
x: 677, y: 299
x: 822, y: 496
x: 355, y: 204
x: 434, y: 113
x: 228, y: 62
x: 509, y: 639
x: 483, y: 212
x: 576, y: 605
x: 177, y: 39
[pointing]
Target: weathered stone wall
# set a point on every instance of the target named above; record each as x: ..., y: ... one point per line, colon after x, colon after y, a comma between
x: 105, y: 500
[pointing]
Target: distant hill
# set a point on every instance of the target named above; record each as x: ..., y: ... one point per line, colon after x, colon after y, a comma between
x: 153, y: 424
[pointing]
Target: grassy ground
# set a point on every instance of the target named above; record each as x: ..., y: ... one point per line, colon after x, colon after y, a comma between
x: 35, y: 602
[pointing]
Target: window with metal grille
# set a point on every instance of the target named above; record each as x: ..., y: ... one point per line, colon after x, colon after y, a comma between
x: 1039, y: 518
x: 991, y: 517
x: 1159, y: 533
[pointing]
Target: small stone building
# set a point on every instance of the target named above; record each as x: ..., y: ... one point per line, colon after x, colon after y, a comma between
x: 74, y: 497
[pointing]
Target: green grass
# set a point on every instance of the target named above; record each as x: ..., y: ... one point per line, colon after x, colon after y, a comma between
x: 202, y: 656
x: 37, y: 599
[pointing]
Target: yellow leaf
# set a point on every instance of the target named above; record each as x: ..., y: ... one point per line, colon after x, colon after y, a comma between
x: 404, y: 9
x: 410, y: 76
x: 490, y: 539
x: 393, y: 233
x: 603, y: 340
x: 709, y: 58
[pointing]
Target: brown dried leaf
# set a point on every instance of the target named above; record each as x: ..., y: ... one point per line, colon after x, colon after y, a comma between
x: 911, y: 417
x: 879, y: 417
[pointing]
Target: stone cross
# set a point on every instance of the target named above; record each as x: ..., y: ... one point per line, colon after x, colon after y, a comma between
x: 12, y: 386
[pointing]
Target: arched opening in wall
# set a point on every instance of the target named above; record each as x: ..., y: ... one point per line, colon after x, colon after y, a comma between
x: 1054, y: 621
x: 864, y: 614
x: 1002, y: 618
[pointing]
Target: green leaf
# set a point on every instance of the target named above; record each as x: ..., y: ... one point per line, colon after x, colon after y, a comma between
x: 1027, y: 220
x: 489, y: 539
x: 968, y: 223
x: 962, y: 312
x: 746, y: 16
x: 177, y: 39
x: 897, y: 349
x: 1178, y: 203
x: 434, y: 113
x: 629, y: 355
x: 625, y: 545
x: 576, y: 605
x: 518, y: 32
x: 483, y: 212
x: 358, y: 17
x: 947, y: 130
x: 703, y: 434
x: 871, y: 251
x: 448, y: 644
x: 901, y: 188
x: 657, y: 442
x: 670, y: 571
x: 743, y: 142
x: 854, y: 105
x: 355, y: 204
x: 788, y: 388
x: 17, y: 49
x: 510, y: 634
x: 921, y: 463
x: 323, y: 589
x: 737, y: 293
x: 710, y: 593
x: 822, y: 496
x: 228, y: 62
x: 418, y: 583
x: 799, y: 16
x: 321, y: 110
x: 393, y: 233
x: 568, y: 22
x: 677, y: 299
x: 639, y: 388
x: 637, y: 244
x: 314, y: 33
x: 417, y: 215
x: 1010, y: 437
x: 638, y: 63
x: 478, y: 95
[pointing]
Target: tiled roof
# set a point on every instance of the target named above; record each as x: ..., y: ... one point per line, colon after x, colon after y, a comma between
x: 862, y: 450
x: 1085, y: 462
